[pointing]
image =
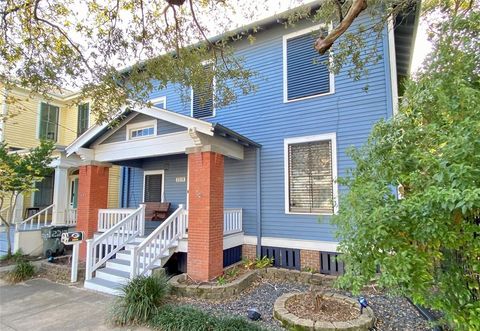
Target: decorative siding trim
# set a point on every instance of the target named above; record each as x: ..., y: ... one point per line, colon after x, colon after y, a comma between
x: 112, y: 131
x: 314, y: 245
x: 285, y: 57
x: 326, y: 136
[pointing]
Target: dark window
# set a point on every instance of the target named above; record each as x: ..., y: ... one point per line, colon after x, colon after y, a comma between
x: 310, y: 177
x: 43, y: 195
x: 202, y: 101
x: 48, y: 122
x: 153, y: 188
x: 307, y: 71
x: 82, y: 123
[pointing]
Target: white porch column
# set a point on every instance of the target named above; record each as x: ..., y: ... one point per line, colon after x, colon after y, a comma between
x: 60, y: 195
x: 18, y: 211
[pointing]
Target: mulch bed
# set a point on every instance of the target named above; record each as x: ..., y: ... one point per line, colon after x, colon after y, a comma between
x: 392, y: 313
x: 331, y: 309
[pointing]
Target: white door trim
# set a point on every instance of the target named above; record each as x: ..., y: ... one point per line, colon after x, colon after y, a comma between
x: 154, y: 172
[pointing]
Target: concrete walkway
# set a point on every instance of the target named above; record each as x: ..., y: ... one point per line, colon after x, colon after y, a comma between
x: 40, y: 304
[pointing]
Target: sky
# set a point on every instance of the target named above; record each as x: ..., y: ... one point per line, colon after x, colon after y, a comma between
x: 422, y: 46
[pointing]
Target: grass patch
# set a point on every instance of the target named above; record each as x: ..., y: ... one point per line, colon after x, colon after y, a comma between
x: 23, y: 270
x: 183, y: 318
x: 140, y: 300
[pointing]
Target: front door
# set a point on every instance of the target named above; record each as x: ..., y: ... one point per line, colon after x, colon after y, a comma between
x: 74, y: 192
x: 153, y: 186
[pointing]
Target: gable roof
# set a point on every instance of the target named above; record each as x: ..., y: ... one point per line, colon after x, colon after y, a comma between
x: 211, y: 129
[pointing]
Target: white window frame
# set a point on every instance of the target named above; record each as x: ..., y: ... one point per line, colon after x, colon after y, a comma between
x: 141, y: 125
x: 39, y: 118
x: 154, y: 172
x: 321, y: 137
x: 285, y: 74
x: 158, y: 100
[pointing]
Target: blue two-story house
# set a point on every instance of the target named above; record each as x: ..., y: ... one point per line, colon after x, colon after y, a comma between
x: 202, y: 187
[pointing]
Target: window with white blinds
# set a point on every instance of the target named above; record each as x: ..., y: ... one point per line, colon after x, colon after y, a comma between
x: 310, y: 175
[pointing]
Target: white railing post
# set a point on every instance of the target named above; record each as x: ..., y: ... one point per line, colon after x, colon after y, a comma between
x: 133, y: 263
x: 142, y: 220
x: 88, y: 262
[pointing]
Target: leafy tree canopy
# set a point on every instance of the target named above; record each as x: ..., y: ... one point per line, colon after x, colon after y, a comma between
x: 47, y: 45
x: 427, y: 243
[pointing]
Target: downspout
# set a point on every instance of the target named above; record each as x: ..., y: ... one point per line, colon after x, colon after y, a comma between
x: 259, y: 203
x: 4, y: 115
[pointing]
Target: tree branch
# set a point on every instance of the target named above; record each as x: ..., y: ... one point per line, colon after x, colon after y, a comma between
x: 322, y: 45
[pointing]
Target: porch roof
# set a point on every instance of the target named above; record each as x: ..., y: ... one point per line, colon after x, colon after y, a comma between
x: 198, y: 125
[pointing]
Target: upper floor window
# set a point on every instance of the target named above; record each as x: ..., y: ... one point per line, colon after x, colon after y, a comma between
x: 305, y: 72
x: 82, y: 120
x: 141, y: 130
x: 48, y: 126
x: 310, y: 174
x: 160, y: 102
x: 202, y: 102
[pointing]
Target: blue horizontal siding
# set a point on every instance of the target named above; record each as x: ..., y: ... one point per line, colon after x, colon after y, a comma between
x: 240, y: 188
x: 173, y: 166
x: 266, y: 119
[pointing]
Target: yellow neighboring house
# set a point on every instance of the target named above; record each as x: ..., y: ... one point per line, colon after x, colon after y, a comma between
x: 61, y: 118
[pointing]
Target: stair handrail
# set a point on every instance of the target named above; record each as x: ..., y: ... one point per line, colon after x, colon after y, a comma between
x: 36, y: 216
x: 113, y: 240
x: 158, y: 242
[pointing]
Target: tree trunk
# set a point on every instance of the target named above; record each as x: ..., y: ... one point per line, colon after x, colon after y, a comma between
x: 8, y: 224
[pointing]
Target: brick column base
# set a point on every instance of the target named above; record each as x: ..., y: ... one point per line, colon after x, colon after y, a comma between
x: 92, y: 196
x: 205, y: 216
x: 310, y: 259
x: 249, y: 251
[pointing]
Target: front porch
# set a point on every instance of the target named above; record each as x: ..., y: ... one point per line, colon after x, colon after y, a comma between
x: 193, y: 166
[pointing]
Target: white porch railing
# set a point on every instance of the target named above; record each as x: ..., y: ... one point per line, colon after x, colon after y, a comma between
x: 71, y: 216
x: 107, y: 218
x: 42, y: 218
x: 102, y: 248
x: 232, y: 220
x: 157, y: 244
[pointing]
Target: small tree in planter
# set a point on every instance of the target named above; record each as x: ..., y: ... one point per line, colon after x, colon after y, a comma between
x: 18, y: 174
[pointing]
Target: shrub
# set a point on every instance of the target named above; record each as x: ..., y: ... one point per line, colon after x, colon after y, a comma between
x: 23, y: 270
x: 140, y: 300
x: 179, y: 318
x: 176, y: 318
x: 236, y: 324
x: 258, y: 263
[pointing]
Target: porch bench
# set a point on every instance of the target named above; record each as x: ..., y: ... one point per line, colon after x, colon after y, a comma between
x: 156, y: 211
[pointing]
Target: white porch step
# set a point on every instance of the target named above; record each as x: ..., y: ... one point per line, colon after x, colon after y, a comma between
x: 117, y: 264
x: 104, y: 286
x: 125, y: 255
x: 113, y: 275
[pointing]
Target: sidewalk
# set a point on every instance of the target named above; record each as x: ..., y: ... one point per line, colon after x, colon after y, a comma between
x: 40, y: 304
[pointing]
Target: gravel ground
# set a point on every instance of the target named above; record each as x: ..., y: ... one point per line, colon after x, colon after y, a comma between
x: 392, y: 313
